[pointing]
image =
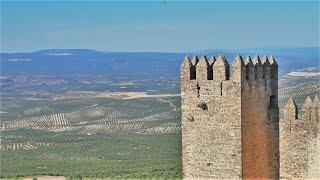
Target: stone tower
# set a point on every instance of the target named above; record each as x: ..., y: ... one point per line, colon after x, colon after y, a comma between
x: 230, y: 118
x: 300, y: 141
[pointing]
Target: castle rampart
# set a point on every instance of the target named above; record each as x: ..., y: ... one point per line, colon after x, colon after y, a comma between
x: 219, y: 67
x: 300, y: 140
x: 230, y: 118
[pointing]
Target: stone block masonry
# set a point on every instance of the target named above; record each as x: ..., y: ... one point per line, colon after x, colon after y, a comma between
x: 300, y: 140
x: 230, y: 118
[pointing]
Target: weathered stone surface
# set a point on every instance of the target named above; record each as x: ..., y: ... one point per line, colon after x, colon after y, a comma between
x: 300, y: 141
x: 237, y: 134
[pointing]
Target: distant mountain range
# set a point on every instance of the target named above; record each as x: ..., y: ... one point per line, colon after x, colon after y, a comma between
x: 84, y: 60
x: 296, y: 51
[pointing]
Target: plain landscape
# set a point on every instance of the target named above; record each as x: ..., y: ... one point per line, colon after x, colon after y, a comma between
x: 85, y: 113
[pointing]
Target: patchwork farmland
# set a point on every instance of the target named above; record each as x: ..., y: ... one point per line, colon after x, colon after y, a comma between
x: 133, y: 135
x: 103, y: 116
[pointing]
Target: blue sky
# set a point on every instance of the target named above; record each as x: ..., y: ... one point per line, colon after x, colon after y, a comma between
x: 157, y: 26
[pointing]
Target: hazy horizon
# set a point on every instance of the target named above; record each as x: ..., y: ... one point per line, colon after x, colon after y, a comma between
x: 205, y: 49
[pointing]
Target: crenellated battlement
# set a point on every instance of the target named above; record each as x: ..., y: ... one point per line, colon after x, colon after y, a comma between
x: 307, y: 110
x: 203, y: 77
x: 305, y: 121
x: 299, y: 140
x: 218, y: 68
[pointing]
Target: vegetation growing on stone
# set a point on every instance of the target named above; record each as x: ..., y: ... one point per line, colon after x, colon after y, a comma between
x: 203, y: 106
x: 190, y: 119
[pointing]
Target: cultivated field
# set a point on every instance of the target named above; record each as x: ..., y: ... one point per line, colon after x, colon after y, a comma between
x: 297, y: 87
x: 93, y: 137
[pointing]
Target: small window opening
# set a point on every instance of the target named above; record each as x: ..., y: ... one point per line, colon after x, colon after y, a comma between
x: 273, y: 101
x: 220, y: 89
x: 192, y: 72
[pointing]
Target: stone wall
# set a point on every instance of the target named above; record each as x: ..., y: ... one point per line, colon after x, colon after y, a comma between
x: 229, y: 118
x: 260, y: 121
x: 300, y: 141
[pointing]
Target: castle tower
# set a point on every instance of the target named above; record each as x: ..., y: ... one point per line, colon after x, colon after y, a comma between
x: 230, y: 118
x: 300, y: 141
